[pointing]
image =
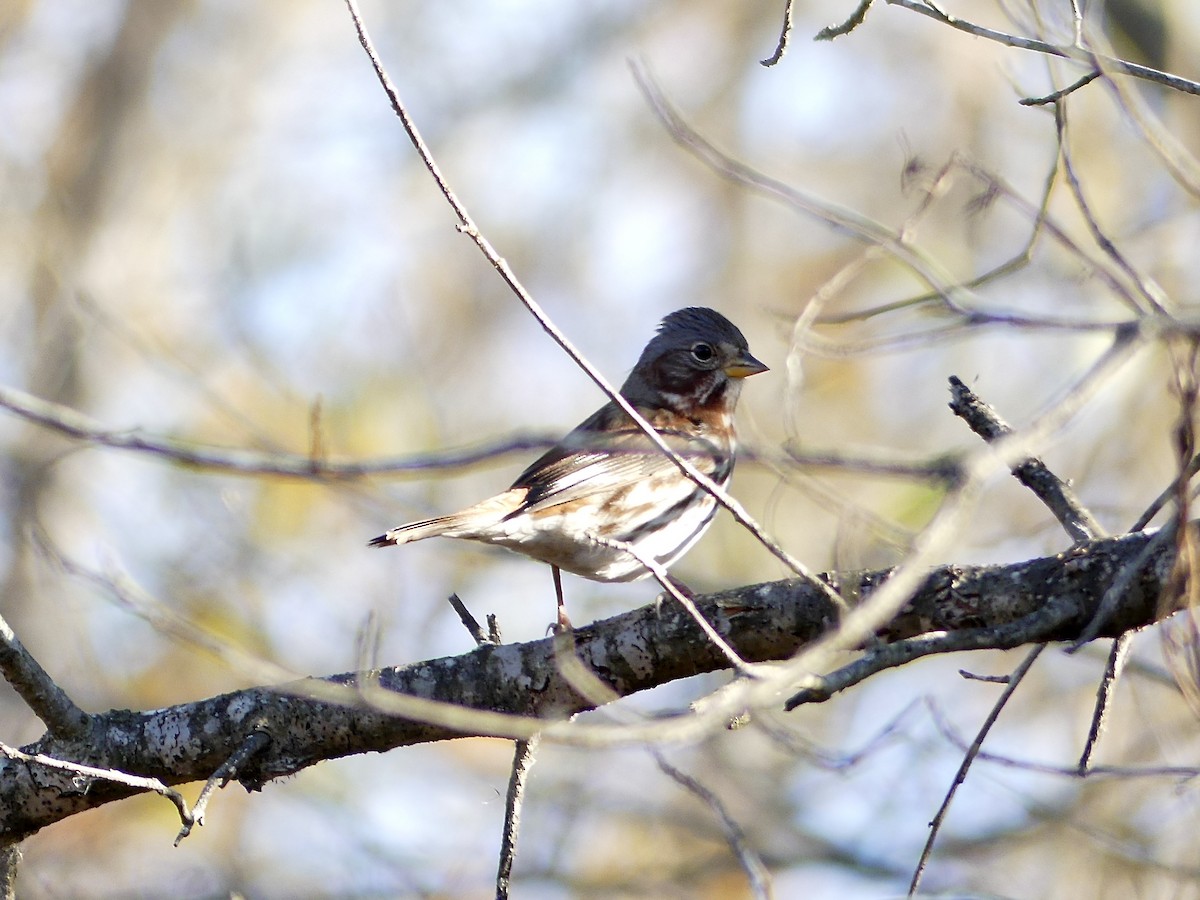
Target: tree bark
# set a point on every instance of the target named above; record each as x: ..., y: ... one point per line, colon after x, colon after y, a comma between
x: 628, y: 653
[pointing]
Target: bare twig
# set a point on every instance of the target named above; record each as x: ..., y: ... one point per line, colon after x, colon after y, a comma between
x: 668, y: 584
x: 1147, y: 289
x: 856, y: 18
x: 1177, y: 159
x: 1051, y: 490
x: 993, y: 186
x: 828, y: 760
x: 255, y: 743
x: 1054, y: 97
x: 1093, y: 773
x: 1078, y: 54
x: 523, y: 759
x: 840, y: 218
x: 751, y: 863
x: 1079, y: 524
x: 1014, y: 681
x: 990, y: 679
x: 82, y: 774
x: 10, y: 861
x: 1026, y: 630
x: 1159, y: 503
x: 955, y: 294
x: 40, y: 692
x: 469, y: 621
x: 785, y: 36
x: 367, y: 643
x: 74, y: 424
x: 1104, y: 696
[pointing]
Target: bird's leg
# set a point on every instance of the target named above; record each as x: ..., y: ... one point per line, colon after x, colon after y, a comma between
x: 561, y: 622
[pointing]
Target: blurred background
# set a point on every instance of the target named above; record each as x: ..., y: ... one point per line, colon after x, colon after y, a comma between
x: 214, y: 229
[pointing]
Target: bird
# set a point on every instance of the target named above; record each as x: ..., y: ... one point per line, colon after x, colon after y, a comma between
x: 605, y: 484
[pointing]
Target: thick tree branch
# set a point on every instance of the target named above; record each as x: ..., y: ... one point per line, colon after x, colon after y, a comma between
x: 632, y: 652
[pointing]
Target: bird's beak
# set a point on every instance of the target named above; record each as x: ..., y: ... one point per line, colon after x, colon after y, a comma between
x: 744, y: 366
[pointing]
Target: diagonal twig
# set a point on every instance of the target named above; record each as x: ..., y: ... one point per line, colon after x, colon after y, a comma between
x: 1032, y: 472
x: 751, y: 863
x: 523, y: 759
x: 83, y: 773
x: 1117, y: 656
x: 1014, y: 681
x: 1033, y: 627
x: 785, y: 37
x: 855, y: 19
x: 470, y: 622
x: 74, y: 424
x: 255, y: 743
x: 1078, y: 54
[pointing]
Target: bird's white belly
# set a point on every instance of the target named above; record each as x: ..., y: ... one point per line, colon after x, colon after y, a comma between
x: 567, y: 537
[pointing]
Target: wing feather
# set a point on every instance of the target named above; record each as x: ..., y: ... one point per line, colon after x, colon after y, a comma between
x: 578, y: 468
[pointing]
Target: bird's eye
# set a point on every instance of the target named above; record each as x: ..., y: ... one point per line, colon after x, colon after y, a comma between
x: 702, y: 352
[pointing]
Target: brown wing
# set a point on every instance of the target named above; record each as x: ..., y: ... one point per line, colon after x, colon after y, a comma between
x: 607, y: 454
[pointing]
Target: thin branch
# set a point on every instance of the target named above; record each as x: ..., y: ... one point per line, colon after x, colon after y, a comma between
x: 955, y: 294
x: 756, y: 872
x: 40, y: 692
x: 1177, y: 159
x: 523, y: 759
x: 1054, y: 97
x: 992, y: 186
x: 828, y: 760
x: 989, y: 679
x: 856, y: 18
x: 785, y: 36
x: 840, y: 218
x: 469, y: 621
x: 668, y: 584
x: 1184, y: 773
x: 74, y: 424
x: 1079, y: 524
x: 255, y: 743
x: 935, y: 826
x: 1146, y: 287
x: 1168, y: 493
x: 468, y: 227
x: 1077, y: 21
x: 1117, y: 657
x: 1077, y: 54
x: 890, y: 656
x: 83, y: 775
x: 1055, y: 493
x: 855, y: 629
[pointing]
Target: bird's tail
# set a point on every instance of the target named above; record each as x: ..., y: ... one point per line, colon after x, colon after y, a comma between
x: 416, y: 531
x: 474, y: 523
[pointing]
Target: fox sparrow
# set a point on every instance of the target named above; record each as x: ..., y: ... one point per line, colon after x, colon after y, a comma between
x: 605, y: 483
